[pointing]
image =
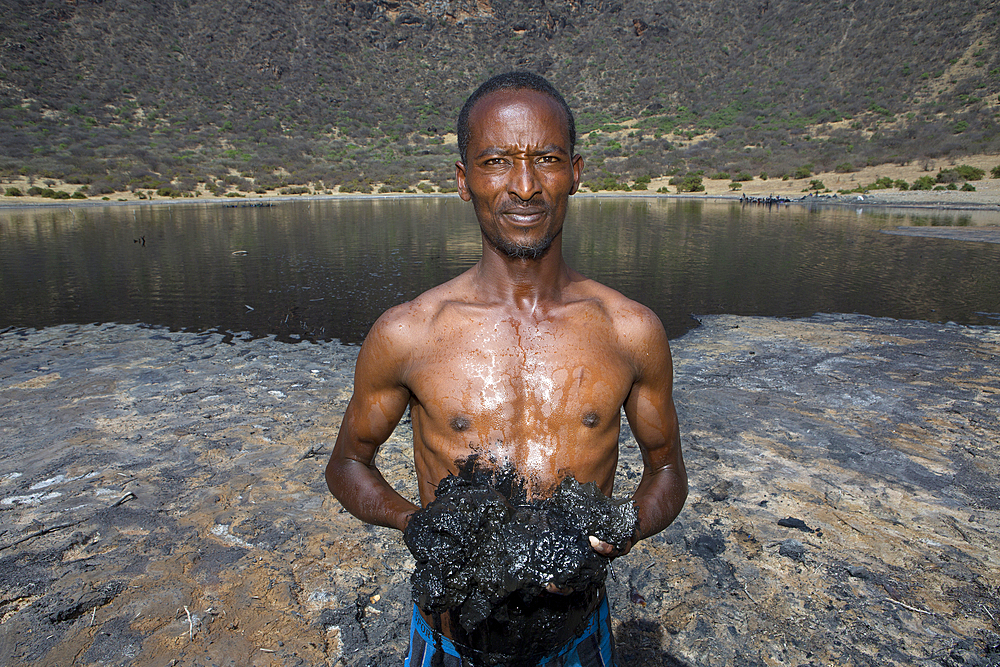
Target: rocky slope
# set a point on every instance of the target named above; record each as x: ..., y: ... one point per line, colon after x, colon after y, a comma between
x: 152, y: 93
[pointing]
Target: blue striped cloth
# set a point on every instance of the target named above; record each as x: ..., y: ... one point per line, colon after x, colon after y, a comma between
x: 595, y: 647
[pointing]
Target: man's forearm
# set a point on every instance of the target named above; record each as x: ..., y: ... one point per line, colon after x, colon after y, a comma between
x: 363, y: 492
x: 659, y: 499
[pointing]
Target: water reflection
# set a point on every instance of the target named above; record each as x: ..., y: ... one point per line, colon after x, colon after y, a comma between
x: 327, y: 269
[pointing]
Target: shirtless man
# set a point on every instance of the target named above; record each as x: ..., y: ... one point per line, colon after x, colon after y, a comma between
x: 520, y: 358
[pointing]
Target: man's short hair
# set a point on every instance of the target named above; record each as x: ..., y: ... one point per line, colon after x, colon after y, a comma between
x: 511, y: 81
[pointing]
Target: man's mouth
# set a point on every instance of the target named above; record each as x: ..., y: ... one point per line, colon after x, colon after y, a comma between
x: 524, y: 214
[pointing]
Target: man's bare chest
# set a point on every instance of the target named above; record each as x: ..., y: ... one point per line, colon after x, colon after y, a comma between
x: 527, y: 372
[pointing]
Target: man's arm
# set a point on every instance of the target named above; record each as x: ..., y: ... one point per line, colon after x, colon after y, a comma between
x: 378, y: 403
x: 650, y: 410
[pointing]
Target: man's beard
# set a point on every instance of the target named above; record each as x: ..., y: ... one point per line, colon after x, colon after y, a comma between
x: 514, y: 250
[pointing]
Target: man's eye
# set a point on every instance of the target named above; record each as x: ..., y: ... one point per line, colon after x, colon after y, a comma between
x: 548, y: 158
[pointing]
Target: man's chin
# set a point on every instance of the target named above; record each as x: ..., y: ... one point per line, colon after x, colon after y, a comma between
x: 519, y: 251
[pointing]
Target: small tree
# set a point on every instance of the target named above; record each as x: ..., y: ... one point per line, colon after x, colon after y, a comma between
x: 805, y: 171
x: 688, y: 183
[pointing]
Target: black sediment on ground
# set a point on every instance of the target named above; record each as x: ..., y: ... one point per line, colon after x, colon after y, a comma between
x: 189, y: 467
x: 486, y: 554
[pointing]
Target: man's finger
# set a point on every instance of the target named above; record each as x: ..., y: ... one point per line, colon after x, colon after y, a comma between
x: 601, y: 547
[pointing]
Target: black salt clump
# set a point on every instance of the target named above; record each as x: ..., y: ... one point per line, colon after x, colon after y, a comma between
x: 486, y: 554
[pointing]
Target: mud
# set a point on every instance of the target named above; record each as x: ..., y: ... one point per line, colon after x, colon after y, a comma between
x: 162, y: 503
x: 486, y: 554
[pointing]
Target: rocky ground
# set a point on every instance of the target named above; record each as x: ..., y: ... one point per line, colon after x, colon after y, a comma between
x: 162, y: 502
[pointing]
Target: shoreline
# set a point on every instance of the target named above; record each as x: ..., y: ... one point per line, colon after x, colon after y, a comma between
x: 986, y: 196
x: 907, y: 200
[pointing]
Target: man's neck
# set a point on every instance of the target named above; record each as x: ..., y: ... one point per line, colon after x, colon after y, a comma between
x: 524, y: 284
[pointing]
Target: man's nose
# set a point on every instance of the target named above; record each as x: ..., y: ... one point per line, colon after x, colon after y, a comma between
x: 524, y: 182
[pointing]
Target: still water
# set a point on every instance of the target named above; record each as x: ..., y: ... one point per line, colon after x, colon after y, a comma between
x: 325, y: 269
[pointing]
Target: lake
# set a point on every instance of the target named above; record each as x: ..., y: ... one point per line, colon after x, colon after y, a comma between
x: 325, y: 269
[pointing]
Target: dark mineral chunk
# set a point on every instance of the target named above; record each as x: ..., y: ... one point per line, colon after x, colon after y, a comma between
x: 798, y: 524
x: 793, y: 549
x: 486, y: 554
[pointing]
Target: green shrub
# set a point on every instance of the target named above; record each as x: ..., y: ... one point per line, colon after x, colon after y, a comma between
x: 763, y: 175
x: 968, y: 187
x: 816, y: 185
x: 901, y: 185
x: 995, y: 171
x: 735, y: 186
x: 844, y: 168
x: 951, y: 186
x: 642, y: 183
x: 13, y: 192
x: 720, y: 176
x: 805, y: 171
x: 426, y: 188
x: 47, y: 192
x: 78, y: 195
x: 923, y: 183
x: 742, y: 177
x: 609, y: 183
x: 939, y: 187
x: 688, y: 183
x: 970, y: 173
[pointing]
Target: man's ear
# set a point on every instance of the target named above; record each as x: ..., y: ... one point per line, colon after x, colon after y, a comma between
x: 577, y: 172
x: 463, y: 189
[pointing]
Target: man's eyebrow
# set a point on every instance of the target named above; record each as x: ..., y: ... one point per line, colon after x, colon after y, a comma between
x: 493, y: 151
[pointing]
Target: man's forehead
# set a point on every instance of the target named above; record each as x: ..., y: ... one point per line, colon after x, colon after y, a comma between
x: 521, y: 112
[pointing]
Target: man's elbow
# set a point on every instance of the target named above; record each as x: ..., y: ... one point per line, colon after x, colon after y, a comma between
x: 681, y: 487
x: 335, y: 475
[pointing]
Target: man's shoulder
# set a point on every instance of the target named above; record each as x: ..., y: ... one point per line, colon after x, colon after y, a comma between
x: 414, y: 318
x: 622, y: 312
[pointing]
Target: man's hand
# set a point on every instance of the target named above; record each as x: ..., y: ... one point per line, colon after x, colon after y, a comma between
x: 609, y: 550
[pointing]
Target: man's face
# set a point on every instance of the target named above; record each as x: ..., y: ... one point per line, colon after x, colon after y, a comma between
x: 520, y: 173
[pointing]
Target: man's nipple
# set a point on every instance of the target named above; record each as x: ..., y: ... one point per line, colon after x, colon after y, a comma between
x: 460, y: 423
x: 590, y: 420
